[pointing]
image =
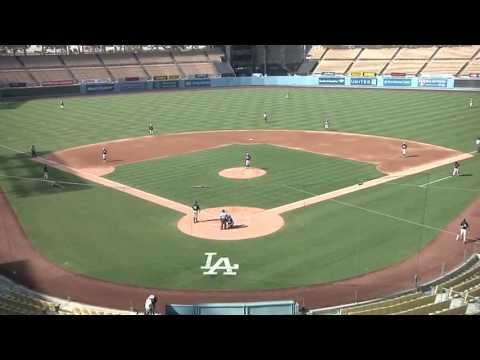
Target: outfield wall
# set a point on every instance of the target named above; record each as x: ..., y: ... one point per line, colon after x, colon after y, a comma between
x: 378, y: 82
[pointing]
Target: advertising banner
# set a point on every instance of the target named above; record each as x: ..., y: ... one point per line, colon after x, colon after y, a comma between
x: 128, y: 86
x: 432, y: 82
x: 169, y: 84
x: 100, y: 87
x: 198, y: 83
x: 397, y: 82
x: 364, y: 81
x: 331, y: 81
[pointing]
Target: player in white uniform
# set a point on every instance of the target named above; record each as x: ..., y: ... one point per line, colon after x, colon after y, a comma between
x: 471, y: 103
x: 248, y: 159
x: 456, y: 169
x: 326, y: 125
x: 463, y: 231
x: 404, y: 149
x: 265, y: 117
x: 477, y: 142
x: 150, y: 305
x: 104, y: 154
x: 61, y: 104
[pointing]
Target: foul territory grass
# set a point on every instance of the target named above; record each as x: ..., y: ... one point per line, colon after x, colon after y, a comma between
x: 291, y: 176
x: 110, y: 235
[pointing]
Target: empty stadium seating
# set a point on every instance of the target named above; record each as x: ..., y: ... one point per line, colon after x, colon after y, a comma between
x: 41, y: 61
x: 316, y: 52
x: 188, y: 56
x: 16, y: 76
x: 198, y: 68
x: 81, y: 60
x: 416, y: 53
x: 375, y: 66
x: 118, y: 59
x: 337, y: 66
x: 122, y: 72
x: 155, y: 58
x: 410, y: 67
x: 214, y: 56
x: 52, y: 76
x: 9, y: 62
x: 377, y: 54
x: 90, y: 73
x: 341, y: 54
x: 443, y: 67
x: 472, y: 68
x: 162, y: 70
x: 457, y: 52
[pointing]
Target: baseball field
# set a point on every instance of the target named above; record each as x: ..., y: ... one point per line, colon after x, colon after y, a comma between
x: 88, y: 224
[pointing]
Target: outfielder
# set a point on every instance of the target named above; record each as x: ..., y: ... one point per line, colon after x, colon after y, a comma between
x: 471, y: 103
x: 150, y: 129
x: 326, y: 124
x: 265, y: 117
x: 248, y: 159
x: 463, y: 231
x: 104, y: 154
x: 34, y: 151
x: 61, y: 104
x: 456, y: 169
x: 45, y: 172
x: 196, y: 211
x: 477, y: 142
x: 404, y: 149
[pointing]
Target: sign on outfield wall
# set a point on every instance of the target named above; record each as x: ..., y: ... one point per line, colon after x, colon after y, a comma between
x: 198, y: 83
x: 99, y: 87
x: 168, y: 84
x: 331, y: 80
x: 364, y: 81
x: 397, y: 82
x: 432, y: 82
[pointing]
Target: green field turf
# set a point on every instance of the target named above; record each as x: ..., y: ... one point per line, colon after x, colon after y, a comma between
x: 110, y: 235
x: 288, y: 172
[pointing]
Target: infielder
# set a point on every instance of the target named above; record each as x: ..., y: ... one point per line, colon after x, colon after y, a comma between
x: 326, y: 124
x: 196, y: 211
x: 456, y: 169
x: 248, y: 159
x: 150, y: 129
x: 404, y: 149
x: 463, y: 231
x: 61, y: 104
x: 265, y: 117
x: 104, y: 154
x: 150, y: 305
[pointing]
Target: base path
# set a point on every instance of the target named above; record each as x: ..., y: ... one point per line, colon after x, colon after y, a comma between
x: 20, y: 262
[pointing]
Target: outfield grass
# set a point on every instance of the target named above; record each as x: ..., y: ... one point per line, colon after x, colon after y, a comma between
x: 108, y: 234
x: 289, y: 172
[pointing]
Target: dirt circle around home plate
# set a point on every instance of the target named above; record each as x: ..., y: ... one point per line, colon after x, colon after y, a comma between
x: 248, y: 223
x: 242, y: 173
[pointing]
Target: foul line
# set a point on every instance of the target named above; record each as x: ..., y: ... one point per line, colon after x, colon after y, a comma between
x: 435, y: 181
x: 43, y: 180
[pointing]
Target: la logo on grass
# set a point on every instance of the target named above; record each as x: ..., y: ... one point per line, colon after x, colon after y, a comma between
x: 222, y: 263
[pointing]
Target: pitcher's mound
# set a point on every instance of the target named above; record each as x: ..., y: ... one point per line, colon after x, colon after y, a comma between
x: 248, y: 223
x: 242, y: 173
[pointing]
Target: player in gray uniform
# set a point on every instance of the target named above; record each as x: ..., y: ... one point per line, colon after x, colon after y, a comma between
x: 223, y: 220
x: 248, y: 159
x: 196, y: 211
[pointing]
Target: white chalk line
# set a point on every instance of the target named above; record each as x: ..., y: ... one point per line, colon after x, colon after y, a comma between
x: 435, y: 181
x: 43, y: 180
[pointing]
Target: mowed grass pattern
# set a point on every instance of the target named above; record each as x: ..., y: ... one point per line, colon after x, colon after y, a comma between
x: 289, y: 172
x: 104, y: 233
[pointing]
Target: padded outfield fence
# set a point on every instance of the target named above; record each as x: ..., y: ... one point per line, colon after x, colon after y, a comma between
x: 386, y: 82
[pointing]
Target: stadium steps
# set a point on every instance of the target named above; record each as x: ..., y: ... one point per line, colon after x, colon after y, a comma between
x: 68, y: 69
x: 105, y: 67
x: 141, y: 65
x: 426, y: 309
x: 382, y: 303
x: 428, y: 61
x: 391, y: 59
x: 354, y: 61
x: 467, y: 284
x: 457, y: 279
x: 398, y: 307
x: 468, y: 62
